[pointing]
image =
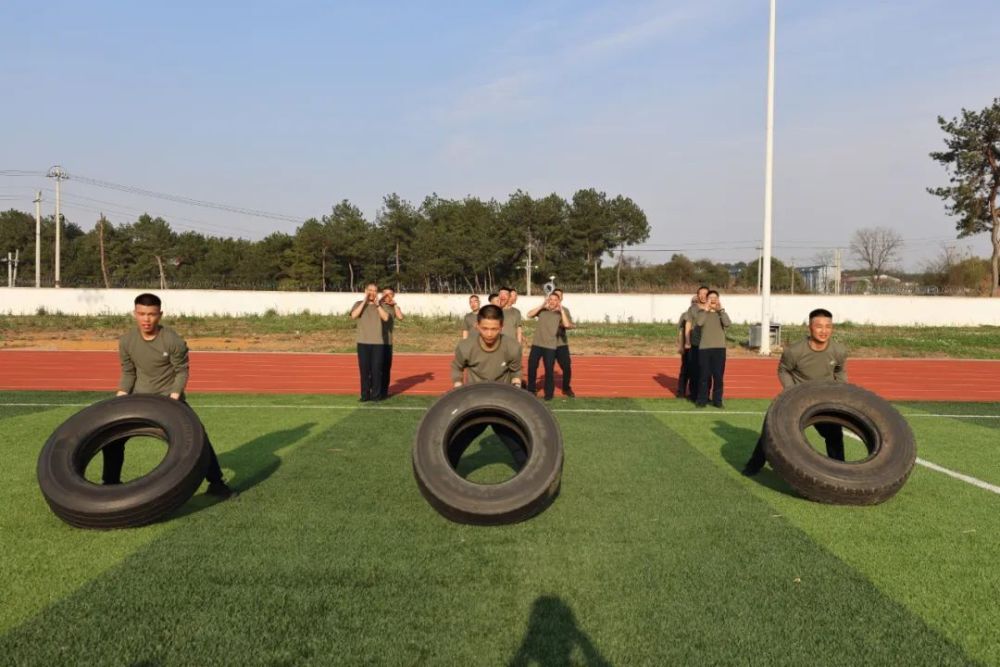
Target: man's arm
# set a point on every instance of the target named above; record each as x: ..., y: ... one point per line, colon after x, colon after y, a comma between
x: 357, y: 309
x: 534, y: 311
x: 458, y: 366
x: 567, y: 323
x: 514, y: 365
x: 179, y: 360
x: 382, y: 312
x: 127, y: 381
x: 840, y: 370
x: 520, y: 335
x: 785, y: 368
x: 724, y: 318
x: 398, y: 313
x: 687, y: 334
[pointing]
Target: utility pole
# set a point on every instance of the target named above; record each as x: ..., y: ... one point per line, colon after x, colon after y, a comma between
x: 837, y: 271
x: 104, y: 266
x: 10, y: 270
x: 38, y: 239
x: 527, y: 268
x: 760, y: 266
x: 57, y: 173
x: 791, y: 278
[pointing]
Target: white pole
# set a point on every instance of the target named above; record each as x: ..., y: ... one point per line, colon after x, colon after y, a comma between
x: 765, y: 302
x: 38, y: 239
x: 527, y: 268
x: 57, y: 173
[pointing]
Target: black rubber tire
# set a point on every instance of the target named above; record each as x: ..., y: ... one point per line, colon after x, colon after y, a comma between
x: 515, y: 411
x: 64, y: 458
x: 889, y: 439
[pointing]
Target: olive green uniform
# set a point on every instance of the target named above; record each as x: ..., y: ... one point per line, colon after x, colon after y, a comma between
x: 712, y: 327
x: 800, y: 363
x: 502, y: 364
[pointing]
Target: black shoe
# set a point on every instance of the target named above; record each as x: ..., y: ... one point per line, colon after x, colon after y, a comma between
x: 749, y: 471
x: 700, y: 405
x: 107, y: 483
x: 363, y: 400
x: 568, y: 393
x: 717, y: 405
x: 220, y: 490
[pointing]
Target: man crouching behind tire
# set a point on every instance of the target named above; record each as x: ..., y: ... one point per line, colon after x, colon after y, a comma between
x: 815, y: 357
x: 154, y: 360
x: 489, y: 356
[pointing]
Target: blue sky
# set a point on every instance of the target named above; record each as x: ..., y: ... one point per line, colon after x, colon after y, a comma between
x: 292, y: 107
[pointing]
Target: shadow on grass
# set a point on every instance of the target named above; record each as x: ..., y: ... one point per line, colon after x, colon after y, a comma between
x: 492, y: 450
x: 253, y: 462
x: 552, y: 637
x: 402, y: 384
x: 737, y: 446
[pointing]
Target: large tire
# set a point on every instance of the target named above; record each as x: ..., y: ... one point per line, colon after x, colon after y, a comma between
x: 517, y: 416
x: 892, y: 448
x: 64, y: 458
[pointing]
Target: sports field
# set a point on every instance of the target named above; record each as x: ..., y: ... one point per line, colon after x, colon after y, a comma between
x: 656, y: 552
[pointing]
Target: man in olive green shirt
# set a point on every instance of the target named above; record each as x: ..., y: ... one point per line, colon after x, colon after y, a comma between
x: 712, y: 322
x: 813, y: 358
x: 488, y: 356
x: 392, y: 309
x: 545, y: 342
x: 154, y: 360
x: 471, y: 318
x: 562, y: 349
x: 371, y: 356
x: 513, y: 325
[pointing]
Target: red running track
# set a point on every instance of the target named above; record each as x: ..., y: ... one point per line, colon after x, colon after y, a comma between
x: 630, y: 377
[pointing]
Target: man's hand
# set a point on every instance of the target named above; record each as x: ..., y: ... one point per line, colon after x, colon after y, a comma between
x: 175, y: 396
x: 457, y: 384
x: 687, y: 345
x: 516, y: 382
x: 121, y: 393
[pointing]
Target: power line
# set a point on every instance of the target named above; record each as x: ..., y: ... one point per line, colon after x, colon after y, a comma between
x: 186, y: 200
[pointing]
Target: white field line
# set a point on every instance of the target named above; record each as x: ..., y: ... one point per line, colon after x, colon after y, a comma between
x: 705, y: 412
x: 944, y: 471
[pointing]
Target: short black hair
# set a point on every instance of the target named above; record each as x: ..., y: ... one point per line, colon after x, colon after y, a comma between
x: 147, y: 299
x: 820, y: 312
x: 711, y: 292
x: 503, y: 289
x: 701, y: 287
x: 490, y: 312
x: 557, y: 291
x: 473, y: 296
x: 492, y: 296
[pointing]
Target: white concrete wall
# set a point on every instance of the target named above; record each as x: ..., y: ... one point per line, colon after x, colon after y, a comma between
x: 786, y: 309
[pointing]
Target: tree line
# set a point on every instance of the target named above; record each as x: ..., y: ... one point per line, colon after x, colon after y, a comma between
x: 440, y: 245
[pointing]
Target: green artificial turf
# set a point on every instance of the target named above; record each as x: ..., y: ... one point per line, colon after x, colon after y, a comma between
x: 656, y: 552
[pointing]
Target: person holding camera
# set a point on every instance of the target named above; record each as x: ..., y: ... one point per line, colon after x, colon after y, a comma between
x: 562, y: 349
x: 545, y: 342
x: 712, y: 321
x: 392, y: 309
x: 370, y: 315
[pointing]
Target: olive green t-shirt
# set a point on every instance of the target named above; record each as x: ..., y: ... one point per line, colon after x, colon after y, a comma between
x: 158, y: 366
x: 692, y: 317
x: 713, y: 327
x: 471, y: 320
x: 511, y: 321
x: 369, y: 325
x: 561, y: 337
x: 503, y: 364
x: 547, y: 330
x: 800, y: 363
x: 389, y: 325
